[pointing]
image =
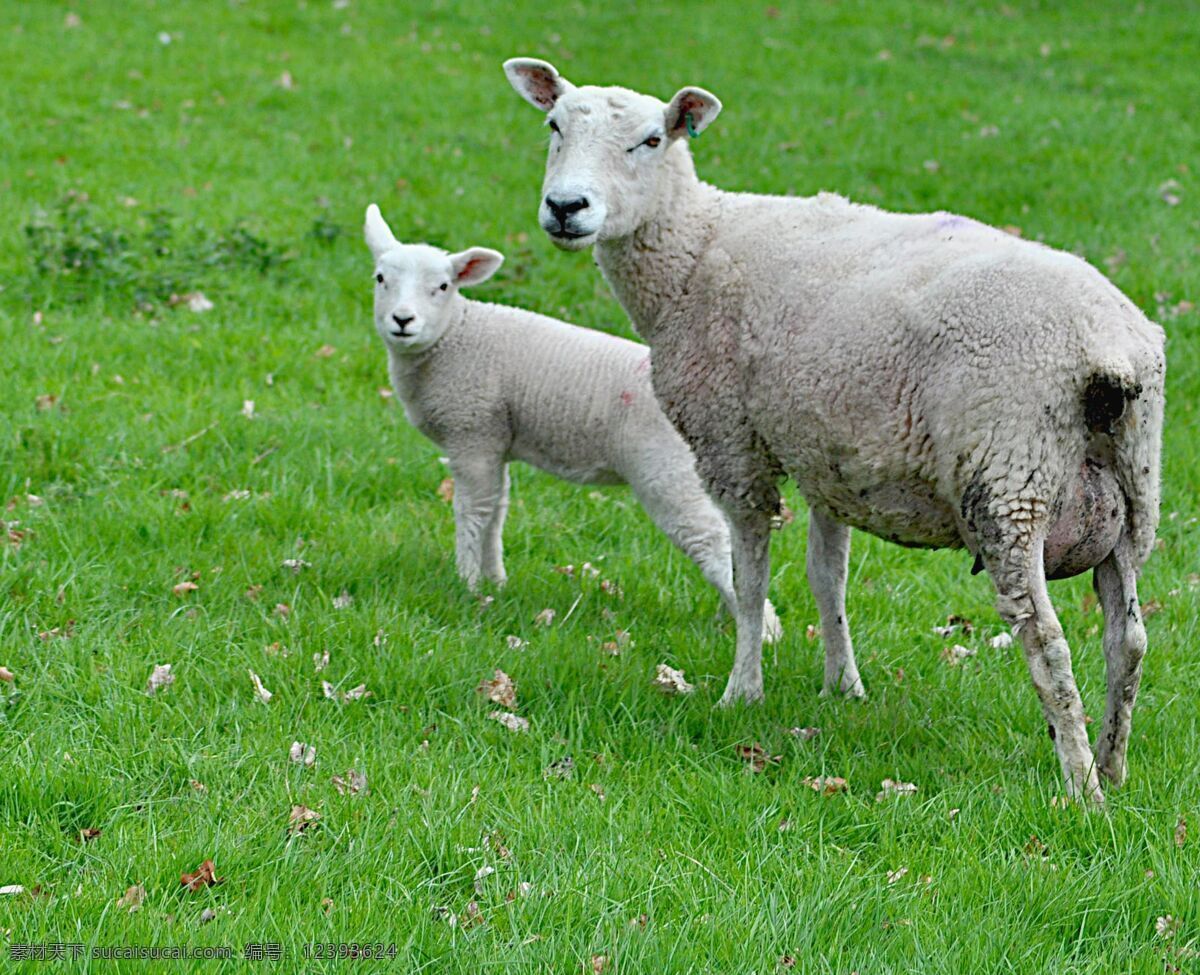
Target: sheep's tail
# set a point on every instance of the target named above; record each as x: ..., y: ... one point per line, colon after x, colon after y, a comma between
x: 1123, y: 405
x: 1111, y: 386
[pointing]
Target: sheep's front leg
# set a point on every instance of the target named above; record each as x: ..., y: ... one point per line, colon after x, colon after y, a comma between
x: 493, y: 539
x: 1015, y: 565
x: 750, y: 536
x: 828, y: 566
x: 1115, y: 581
x: 692, y: 520
x: 477, y: 489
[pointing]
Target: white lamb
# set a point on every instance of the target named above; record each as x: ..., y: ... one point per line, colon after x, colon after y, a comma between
x: 489, y: 384
x: 922, y: 377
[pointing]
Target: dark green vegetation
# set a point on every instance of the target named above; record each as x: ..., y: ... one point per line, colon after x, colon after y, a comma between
x: 236, y: 160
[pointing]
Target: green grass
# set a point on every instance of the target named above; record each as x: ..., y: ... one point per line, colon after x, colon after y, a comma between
x: 1093, y: 106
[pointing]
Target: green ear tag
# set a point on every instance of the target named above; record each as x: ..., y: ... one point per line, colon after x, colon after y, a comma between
x: 687, y: 120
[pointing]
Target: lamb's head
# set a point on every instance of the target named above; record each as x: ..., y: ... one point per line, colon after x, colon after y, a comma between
x: 416, y: 286
x: 611, y: 150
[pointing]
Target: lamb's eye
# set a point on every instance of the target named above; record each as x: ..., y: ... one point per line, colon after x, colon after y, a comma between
x: 554, y: 126
x: 653, y: 142
x: 379, y: 278
x: 443, y: 286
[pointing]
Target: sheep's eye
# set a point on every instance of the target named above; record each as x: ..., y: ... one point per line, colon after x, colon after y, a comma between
x: 653, y: 142
x: 444, y: 285
x: 554, y: 126
x: 379, y: 278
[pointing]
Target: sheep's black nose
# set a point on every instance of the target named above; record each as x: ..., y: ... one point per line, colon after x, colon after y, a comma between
x: 402, y: 321
x: 562, y: 209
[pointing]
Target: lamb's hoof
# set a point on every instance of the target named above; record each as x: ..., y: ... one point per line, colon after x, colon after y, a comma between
x: 741, y: 695
x: 772, y: 631
x: 499, y: 581
x: 1113, y: 769
x: 851, y: 690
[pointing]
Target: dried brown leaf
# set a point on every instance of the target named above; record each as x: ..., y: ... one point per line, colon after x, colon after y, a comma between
x: 757, y: 756
x: 301, y: 818
x: 826, y: 784
x: 160, y: 678
x: 351, y: 784
x: 891, y: 787
x: 133, y: 897
x: 670, y: 681
x: 499, y: 690
x: 260, y: 692
x: 205, y: 876
x: 513, y: 722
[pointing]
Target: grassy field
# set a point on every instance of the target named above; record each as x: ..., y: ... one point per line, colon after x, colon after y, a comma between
x: 229, y: 148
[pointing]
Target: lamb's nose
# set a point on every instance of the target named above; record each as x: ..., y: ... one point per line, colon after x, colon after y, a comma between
x: 562, y: 209
x: 402, y: 322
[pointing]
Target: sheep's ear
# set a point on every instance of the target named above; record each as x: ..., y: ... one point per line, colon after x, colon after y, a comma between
x: 377, y: 233
x: 475, y: 266
x: 536, y: 81
x: 691, y: 111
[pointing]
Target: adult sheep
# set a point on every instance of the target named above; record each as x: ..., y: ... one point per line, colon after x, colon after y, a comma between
x: 490, y: 383
x: 922, y: 377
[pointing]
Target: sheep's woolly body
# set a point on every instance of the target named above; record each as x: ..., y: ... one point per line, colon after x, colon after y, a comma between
x: 505, y: 384
x: 886, y: 361
x: 923, y: 377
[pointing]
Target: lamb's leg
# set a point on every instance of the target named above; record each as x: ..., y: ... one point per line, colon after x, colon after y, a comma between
x: 477, y: 489
x: 1115, y: 581
x: 493, y: 539
x: 690, y: 519
x: 1014, y: 562
x: 828, y: 565
x: 750, y: 534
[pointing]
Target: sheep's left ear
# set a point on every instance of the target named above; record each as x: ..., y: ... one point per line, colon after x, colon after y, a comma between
x: 475, y: 266
x: 538, y: 82
x: 696, y: 104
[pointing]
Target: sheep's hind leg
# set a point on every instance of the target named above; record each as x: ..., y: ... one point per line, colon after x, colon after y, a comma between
x: 1115, y: 581
x: 750, y: 535
x: 828, y: 563
x: 477, y: 489
x: 493, y: 538
x: 1013, y: 559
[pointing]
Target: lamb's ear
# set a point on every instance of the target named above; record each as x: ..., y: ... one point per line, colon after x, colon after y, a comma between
x: 690, y: 112
x: 475, y: 266
x: 377, y: 233
x: 536, y: 81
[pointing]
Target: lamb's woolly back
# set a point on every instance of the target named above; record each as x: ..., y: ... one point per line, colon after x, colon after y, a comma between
x: 491, y: 383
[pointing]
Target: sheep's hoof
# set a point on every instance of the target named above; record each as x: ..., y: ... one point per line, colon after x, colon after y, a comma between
x: 740, y: 695
x: 850, y: 690
x: 1084, y: 788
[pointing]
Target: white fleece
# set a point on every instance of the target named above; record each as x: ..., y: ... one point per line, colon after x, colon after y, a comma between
x: 492, y: 384
x: 923, y: 377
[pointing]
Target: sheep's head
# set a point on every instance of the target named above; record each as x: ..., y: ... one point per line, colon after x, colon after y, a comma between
x: 415, y: 285
x: 609, y: 151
